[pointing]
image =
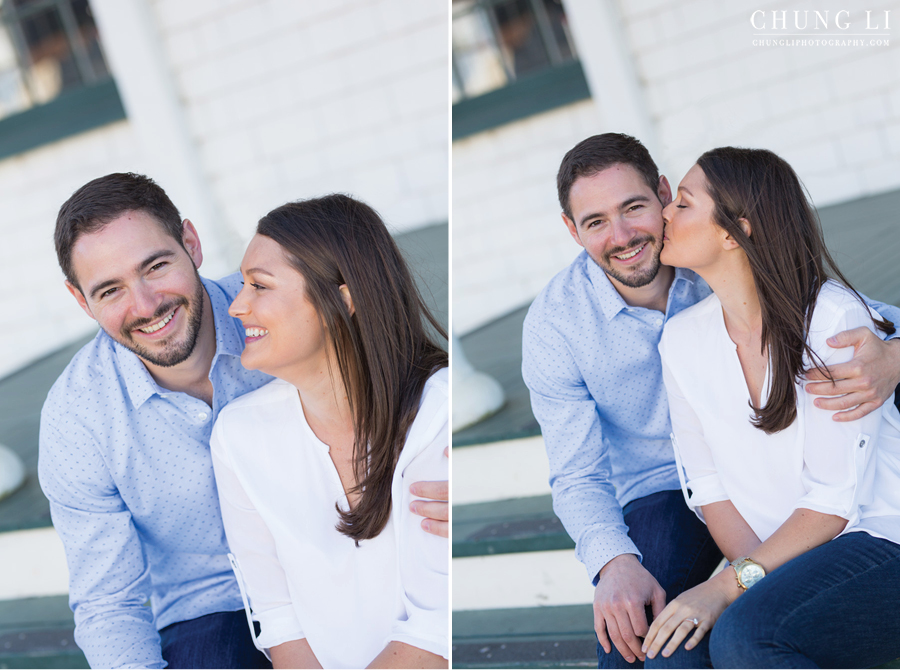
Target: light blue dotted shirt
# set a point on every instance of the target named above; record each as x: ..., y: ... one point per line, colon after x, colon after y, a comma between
x: 595, y: 375
x: 127, y: 468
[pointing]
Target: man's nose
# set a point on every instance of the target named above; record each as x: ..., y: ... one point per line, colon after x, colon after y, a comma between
x: 146, y: 300
x: 622, y: 233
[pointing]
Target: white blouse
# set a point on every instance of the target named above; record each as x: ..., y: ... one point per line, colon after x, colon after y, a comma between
x: 278, y: 488
x: 849, y: 469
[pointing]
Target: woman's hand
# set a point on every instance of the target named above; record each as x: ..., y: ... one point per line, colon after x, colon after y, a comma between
x: 705, y: 603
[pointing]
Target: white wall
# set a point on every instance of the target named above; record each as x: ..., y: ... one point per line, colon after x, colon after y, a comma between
x: 832, y: 112
x: 284, y: 99
x: 508, y: 237
x: 289, y: 99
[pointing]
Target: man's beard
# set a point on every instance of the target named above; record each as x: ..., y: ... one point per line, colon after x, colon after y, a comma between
x: 172, y: 353
x: 640, y: 276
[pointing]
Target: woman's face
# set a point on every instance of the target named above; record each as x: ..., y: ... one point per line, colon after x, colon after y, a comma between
x: 691, y: 238
x: 284, y: 335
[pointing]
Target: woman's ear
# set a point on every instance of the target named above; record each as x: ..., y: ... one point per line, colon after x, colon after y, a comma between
x: 729, y: 242
x: 348, y: 299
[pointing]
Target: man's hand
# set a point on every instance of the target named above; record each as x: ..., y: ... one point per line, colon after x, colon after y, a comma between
x: 862, y: 384
x: 437, y: 514
x: 624, y: 590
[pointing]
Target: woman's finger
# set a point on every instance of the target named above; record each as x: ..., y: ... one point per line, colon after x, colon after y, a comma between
x: 702, y: 629
x: 681, y: 631
x: 654, y: 642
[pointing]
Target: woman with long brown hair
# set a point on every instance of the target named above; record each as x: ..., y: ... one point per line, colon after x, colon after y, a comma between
x: 314, y: 469
x: 806, y: 509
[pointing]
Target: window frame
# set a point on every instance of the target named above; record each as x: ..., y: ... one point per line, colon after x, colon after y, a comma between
x: 564, y: 82
x: 96, y: 103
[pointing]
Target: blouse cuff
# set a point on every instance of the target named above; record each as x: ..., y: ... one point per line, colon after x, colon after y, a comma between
x: 278, y: 625
x: 705, y: 491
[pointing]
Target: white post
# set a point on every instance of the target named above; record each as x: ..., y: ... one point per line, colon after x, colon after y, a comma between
x: 135, y: 55
x: 12, y: 471
x: 609, y: 67
x: 476, y: 395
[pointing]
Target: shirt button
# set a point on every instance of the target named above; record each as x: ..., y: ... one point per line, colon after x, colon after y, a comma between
x: 659, y: 322
x: 202, y: 416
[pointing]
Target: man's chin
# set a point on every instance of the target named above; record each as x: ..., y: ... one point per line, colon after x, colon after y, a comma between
x: 166, y: 356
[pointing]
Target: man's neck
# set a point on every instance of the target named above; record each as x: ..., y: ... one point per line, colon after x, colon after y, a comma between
x: 654, y: 295
x: 192, y: 375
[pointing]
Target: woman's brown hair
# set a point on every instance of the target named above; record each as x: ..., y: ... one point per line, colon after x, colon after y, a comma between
x: 383, y: 350
x: 788, y: 259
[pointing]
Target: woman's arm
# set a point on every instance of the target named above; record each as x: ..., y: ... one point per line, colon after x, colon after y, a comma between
x: 732, y: 534
x: 295, y: 654
x: 400, y: 655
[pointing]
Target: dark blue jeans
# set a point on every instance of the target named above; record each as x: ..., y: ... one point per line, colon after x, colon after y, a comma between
x: 677, y: 550
x: 835, y: 606
x: 220, y: 640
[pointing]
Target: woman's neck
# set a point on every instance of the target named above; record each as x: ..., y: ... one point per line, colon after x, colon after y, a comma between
x: 732, y: 282
x: 324, y: 398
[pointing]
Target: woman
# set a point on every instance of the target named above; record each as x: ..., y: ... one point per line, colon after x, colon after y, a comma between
x: 313, y: 469
x: 774, y: 478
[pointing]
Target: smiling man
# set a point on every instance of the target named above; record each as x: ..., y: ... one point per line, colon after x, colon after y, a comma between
x: 124, y: 441
x: 591, y: 362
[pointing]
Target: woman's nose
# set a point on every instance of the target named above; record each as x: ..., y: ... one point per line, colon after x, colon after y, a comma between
x: 239, y: 306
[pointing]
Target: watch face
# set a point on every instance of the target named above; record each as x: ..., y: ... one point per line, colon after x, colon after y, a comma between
x: 751, y: 573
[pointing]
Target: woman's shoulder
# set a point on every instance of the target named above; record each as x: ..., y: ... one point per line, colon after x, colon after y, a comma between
x: 690, y: 322
x: 275, y: 391
x: 432, y: 420
x: 837, y: 306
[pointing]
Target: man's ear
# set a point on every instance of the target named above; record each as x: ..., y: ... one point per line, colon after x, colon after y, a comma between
x: 348, y: 299
x: 79, y: 298
x: 573, y: 231
x: 191, y: 242
x: 664, y: 190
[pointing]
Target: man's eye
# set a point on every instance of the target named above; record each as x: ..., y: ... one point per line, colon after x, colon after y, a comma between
x: 157, y: 266
x: 108, y: 292
x: 634, y: 208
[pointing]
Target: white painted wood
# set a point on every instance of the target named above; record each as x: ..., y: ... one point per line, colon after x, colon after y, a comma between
x: 500, y: 470
x: 32, y: 563
x: 533, y: 579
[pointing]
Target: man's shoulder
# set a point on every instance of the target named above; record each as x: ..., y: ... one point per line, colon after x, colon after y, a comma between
x: 230, y: 284
x: 564, y: 296
x: 85, y: 378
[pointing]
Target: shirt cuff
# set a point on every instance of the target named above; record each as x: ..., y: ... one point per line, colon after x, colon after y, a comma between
x: 604, y: 547
x: 278, y: 626
x: 706, y: 490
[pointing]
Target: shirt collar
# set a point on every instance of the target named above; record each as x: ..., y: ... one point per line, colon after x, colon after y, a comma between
x: 138, y: 382
x: 611, y: 302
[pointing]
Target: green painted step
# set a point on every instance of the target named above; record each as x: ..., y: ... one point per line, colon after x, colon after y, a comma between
x: 38, y: 633
x: 507, y: 527
x: 532, y: 637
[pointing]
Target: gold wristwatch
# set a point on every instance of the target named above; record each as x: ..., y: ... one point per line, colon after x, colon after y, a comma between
x: 748, y: 572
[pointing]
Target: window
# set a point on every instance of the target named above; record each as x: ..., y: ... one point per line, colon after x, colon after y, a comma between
x: 54, y: 80
x: 511, y: 58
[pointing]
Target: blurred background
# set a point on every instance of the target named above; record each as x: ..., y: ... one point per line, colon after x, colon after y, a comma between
x: 234, y: 107
x: 816, y: 81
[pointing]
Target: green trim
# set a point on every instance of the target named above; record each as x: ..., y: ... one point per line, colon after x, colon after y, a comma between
x: 69, y: 114
x: 525, y: 97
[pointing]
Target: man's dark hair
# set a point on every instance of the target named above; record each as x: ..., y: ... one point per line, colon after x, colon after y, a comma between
x: 599, y: 152
x: 104, y: 199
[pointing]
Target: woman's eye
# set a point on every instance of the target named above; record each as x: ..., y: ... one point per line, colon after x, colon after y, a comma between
x: 681, y: 206
x: 257, y: 286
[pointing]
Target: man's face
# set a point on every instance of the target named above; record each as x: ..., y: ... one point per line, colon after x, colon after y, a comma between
x: 142, y: 286
x: 617, y: 218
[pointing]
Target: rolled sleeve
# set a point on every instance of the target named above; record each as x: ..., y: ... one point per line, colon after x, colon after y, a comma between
x: 254, y: 547
x: 838, y: 457
x: 697, y: 472
x: 109, y: 579
x: 423, y: 565
x: 584, y: 498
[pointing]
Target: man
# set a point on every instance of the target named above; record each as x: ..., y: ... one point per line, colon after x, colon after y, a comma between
x: 124, y: 442
x: 591, y: 362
